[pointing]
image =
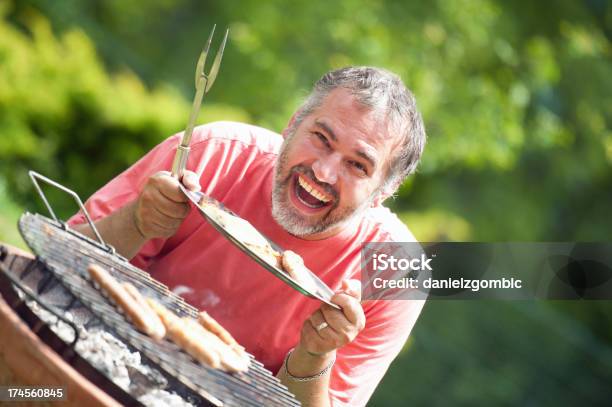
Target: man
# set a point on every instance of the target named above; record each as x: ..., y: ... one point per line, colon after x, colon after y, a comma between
x: 318, y: 192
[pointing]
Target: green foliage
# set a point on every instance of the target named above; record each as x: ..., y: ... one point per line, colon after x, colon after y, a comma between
x: 513, y: 94
x: 63, y: 115
x: 491, y: 353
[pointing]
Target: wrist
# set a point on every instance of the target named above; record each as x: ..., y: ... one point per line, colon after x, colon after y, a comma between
x: 324, y: 356
x: 136, y: 221
x: 303, y: 363
x: 132, y: 212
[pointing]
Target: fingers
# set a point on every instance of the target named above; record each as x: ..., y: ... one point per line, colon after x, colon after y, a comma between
x: 312, y: 341
x: 162, y: 206
x: 348, y: 299
x: 351, y: 308
x: 340, y: 329
x: 320, y: 339
x: 191, y: 180
x: 165, y: 183
x: 352, y: 287
x: 328, y: 328
x: 316, y: 321
x: 153, y: 223
x: 163, y: 221
x: 153, y: 201
x: 169, y: 208
x: 169, y: 186
x: 348, y: 322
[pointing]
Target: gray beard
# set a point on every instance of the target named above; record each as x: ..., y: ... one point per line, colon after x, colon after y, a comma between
x: 288, y: 218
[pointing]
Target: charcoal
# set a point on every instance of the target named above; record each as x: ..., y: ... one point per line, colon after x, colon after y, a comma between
x: 113, y: 358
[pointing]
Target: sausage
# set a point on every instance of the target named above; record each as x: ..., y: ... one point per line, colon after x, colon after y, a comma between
x: 294, y: 265
x: 181, y: 333
x: 213, y: 326
x: 158, y: 330
x: 124, y: 300
x: 267, y: 253
x: 193, y: 344
x: 231, y: 361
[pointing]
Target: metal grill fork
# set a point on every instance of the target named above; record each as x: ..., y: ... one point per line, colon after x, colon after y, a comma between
x: 203, y: 83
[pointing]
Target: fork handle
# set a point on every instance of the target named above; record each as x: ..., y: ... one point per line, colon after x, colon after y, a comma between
x: 180, y: 161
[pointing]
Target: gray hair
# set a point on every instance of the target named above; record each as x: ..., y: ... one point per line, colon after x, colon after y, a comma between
x: 384, y: 91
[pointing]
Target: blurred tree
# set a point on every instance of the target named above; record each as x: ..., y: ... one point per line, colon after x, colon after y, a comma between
x: 61, y: 114
x: 501, y: 87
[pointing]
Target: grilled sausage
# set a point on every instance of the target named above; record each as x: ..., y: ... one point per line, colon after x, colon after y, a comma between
x: 181, y: 333
x: 294, y: 265
x: 267, y: 253
x: 157, y: 327
x: 231, y: 361
x: 213, y: 326
x: 124, y: 301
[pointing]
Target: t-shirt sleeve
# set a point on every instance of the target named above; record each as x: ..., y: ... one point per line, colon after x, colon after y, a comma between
x: 219, y: 155
x: 125, y: 188
x: 361, y: 364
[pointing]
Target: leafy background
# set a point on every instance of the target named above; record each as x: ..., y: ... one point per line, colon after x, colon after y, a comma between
x: 517, y: 100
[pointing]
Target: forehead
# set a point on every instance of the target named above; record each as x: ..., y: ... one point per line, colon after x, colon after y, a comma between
x: 356, y: 125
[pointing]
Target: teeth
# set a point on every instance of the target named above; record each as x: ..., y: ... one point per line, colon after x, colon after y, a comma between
x: 303, y: 184
x: 319, y: 196
x: 311, y: 190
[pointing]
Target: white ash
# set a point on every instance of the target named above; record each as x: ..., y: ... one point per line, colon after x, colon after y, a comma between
x: 62, y: 329
x: 108, y: 354
x: 162, y: 398
x: 111, y: 356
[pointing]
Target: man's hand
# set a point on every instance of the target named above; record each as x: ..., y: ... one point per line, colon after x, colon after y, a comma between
x: 157, y: 212
x: 326, y: 330
x: 161, y: 206
x: 329, y: 329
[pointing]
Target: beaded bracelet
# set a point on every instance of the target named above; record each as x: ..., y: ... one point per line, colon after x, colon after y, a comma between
x: 307, y: 378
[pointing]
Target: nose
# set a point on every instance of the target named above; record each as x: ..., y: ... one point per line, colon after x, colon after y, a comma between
x: 326, y: 168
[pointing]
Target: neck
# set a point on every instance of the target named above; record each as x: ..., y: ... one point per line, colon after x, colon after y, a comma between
x: 333, y: 231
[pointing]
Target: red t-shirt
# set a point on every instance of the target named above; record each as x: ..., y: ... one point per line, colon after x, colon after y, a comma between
x: 236, y: 164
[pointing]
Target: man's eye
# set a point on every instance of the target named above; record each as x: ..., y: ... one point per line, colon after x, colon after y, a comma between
x: 323, y: 139
x: 359, y: 167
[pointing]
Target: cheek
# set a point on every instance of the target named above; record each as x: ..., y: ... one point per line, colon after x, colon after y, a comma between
x: 354, y: 192
x: 300, y: 152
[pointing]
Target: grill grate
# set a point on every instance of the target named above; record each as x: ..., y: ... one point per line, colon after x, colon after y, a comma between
x: 68, y: 254
x: 30, y: 276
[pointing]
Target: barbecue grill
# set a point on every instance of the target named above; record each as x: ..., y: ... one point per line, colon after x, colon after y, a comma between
x: 57, y: 281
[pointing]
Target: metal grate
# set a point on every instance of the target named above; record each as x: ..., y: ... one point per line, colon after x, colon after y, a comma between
x: 31, y: 277
x: 67, y: 255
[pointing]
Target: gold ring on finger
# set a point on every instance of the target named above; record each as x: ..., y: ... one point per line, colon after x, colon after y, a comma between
x: 321, y: 326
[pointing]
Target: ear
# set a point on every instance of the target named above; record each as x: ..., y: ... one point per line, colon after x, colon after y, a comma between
x: 291, y: 123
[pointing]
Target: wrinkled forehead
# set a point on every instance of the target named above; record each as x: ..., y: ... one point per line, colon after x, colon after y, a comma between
x: 363, y: 124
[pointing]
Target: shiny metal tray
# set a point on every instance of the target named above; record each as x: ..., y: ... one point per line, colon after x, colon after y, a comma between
x: 322, y: 292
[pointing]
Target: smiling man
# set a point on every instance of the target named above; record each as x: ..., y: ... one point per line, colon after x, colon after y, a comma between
x: 316, y: 191
x: 331, y: 166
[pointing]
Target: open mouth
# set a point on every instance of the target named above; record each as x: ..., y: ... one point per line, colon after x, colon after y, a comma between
x: 309, y: 194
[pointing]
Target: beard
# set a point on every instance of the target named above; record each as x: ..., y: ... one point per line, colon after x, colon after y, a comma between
x: 293, y: 221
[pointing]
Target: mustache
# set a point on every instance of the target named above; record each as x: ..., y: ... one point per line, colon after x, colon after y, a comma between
x: 307, y: 171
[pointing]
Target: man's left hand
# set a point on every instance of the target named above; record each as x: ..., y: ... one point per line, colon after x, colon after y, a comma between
x: 329, y: 329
